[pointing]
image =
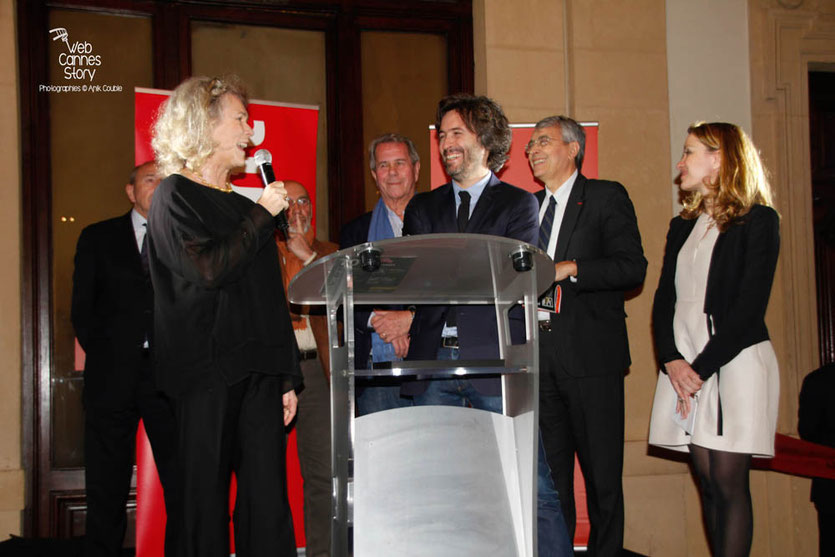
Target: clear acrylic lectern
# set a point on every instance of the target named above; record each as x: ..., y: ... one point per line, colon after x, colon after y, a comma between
x: 433, y: 480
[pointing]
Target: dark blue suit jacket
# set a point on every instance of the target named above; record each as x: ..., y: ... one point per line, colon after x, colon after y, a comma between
x: 599, y: 231
x: 816, y: 423
x: 502, y: 210
x: 353, y: 234
x: 112, y: 303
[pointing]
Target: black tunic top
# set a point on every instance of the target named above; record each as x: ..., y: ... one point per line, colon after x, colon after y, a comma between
x: 219, y: 302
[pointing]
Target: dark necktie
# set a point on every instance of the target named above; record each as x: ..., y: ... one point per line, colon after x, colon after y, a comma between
x: 463, y: 219
x: 463, y: 211
x: 547, y: 224
x: 143, y: 252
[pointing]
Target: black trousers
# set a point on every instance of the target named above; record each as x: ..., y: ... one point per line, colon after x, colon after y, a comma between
x: 238, y: 428
x: 826, y: 532
x: 584, y: 416
x: 109, y: 446
x: 313, y: 436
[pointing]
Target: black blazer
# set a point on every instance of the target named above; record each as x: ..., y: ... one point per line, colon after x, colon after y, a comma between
x: 738, y: 287
x: 599, y: 231
x: 502, y: 210
x: 112, y: 303
x: 816, y: 423
x: 356, y: 231
x: 353, y: 234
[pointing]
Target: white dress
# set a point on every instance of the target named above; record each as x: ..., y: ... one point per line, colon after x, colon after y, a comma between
x: 748, y: 385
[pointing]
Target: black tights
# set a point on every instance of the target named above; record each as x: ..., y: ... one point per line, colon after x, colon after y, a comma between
x: 726, y: 499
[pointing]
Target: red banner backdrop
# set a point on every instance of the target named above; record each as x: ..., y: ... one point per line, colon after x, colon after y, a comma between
x: 517, y: 172
x: 289, y: 133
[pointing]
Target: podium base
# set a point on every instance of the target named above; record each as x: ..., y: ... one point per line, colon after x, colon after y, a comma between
x: 440, y: 480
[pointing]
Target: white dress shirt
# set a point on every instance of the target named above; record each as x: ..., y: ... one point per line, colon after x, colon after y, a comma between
x: 561, y: 197
x: 140, y: 227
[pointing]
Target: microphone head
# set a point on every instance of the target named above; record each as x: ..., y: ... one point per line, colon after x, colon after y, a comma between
x: 262, y: 156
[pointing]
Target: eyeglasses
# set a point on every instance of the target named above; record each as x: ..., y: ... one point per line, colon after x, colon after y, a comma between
x: 301, y: 202
x: 543, y: 141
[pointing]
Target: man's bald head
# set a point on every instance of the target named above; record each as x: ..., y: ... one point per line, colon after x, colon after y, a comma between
x: 300, y: 211
x: 295, y: 189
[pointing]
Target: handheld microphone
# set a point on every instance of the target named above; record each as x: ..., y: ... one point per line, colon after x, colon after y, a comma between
x: 264, y: 160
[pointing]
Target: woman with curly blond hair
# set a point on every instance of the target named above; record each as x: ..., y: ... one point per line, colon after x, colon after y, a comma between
x: 224, y: 346
x: 717, y: 396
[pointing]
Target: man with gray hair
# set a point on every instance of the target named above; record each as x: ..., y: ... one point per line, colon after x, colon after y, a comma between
x: 382, y: 335
x: 112, y: 303
x: 589, y: 229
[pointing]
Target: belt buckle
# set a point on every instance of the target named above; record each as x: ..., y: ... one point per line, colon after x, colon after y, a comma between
x: 449, y: 342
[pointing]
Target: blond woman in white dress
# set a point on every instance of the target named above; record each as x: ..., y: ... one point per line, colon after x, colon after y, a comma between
x: 717, y: 394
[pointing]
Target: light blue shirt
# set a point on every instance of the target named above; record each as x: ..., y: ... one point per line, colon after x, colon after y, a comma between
x: 475, y: 192
x: 396, y: 227
x: 395, y: 222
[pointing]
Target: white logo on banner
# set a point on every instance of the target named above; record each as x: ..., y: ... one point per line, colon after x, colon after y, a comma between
x: 259, y: 132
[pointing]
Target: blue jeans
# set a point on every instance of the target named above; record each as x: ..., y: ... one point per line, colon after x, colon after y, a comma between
x: 552, y: 533
x: 379, y: 397
x: 375, y: 394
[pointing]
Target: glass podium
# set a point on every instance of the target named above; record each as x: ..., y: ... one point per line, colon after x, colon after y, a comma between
x: 433, y: 480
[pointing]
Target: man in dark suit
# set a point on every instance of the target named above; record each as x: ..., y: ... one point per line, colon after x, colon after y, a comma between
x: 816, y: 423
x: 474, y: 138
x: 112, y: 303
x: 589, y: 229
x: 382, y: 335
